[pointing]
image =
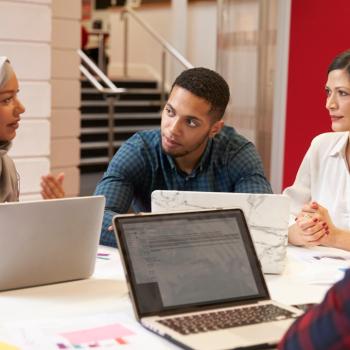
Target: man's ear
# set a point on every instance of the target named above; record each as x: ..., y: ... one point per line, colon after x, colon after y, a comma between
x: 216, y: 128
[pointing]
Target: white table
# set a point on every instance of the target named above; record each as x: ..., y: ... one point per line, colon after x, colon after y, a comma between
x: 106, y: 292
x: 289, y: 288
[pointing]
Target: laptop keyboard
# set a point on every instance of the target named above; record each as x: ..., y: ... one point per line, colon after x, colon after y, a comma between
x: 226, y: 319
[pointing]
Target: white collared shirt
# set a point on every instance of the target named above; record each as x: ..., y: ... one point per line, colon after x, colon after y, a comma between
x: 324, y: 177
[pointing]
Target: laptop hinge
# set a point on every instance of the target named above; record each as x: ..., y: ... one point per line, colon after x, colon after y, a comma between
x: 207, y: 308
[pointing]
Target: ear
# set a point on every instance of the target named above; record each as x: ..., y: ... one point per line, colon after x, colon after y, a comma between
x: 216, y: 128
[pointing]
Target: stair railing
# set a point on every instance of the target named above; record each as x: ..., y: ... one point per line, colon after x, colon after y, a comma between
x: 166, y: 47
x: 112, y: 93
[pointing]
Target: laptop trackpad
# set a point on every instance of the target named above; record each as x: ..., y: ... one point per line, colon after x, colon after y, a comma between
x: 262, y: 333
x: 239, y: 337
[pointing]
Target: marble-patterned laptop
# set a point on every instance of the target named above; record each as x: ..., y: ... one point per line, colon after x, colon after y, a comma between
x: 267, y: 216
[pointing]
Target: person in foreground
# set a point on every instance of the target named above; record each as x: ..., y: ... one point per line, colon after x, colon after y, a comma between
x: 192, y: 151
x: 10, y: 115
x: 325, y: 326
x: 320, y: 195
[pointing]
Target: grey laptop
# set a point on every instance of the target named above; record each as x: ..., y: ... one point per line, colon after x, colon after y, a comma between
x: 195, y: 279
x: 49, y: 241
x: 267, y: 216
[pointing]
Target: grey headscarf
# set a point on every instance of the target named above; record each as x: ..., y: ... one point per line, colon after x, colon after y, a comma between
x: 9, y: 184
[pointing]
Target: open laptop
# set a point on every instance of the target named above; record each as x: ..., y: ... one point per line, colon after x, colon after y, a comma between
x: 49, y: 241
x: 267, y: 216
x: 195, y: 279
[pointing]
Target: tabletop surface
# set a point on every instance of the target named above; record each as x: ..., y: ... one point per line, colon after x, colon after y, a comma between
x: 304, y: 280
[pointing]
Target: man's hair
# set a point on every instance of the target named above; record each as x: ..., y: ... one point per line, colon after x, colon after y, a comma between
x: 342, y: 61
x: 206, y: 84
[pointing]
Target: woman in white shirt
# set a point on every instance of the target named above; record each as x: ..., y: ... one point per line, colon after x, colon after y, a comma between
x: 320, y: 195
x: 10, y: 115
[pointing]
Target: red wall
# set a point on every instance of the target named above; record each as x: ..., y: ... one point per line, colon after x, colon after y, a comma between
x: 320, y: 29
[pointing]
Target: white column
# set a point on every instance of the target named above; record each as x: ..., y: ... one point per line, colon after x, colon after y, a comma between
x: 26, y: 40
x: 280, y: 95
x: 65, y: 121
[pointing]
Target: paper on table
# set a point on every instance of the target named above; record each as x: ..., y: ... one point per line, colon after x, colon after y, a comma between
x: 314, y: 254
x: 325, y: 265
x: 100, y: 331
x: 6, y: 346
x: 96, y: 334
x: 321, y: 274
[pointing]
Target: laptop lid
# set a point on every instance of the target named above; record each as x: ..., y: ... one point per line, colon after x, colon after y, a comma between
x: 188, y: 261
x: 267, y: 216
x: 49, y: 241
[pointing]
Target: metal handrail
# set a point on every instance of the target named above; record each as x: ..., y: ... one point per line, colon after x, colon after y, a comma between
x: 111, y: 91
x: 111, y: 87
x: 166, y: 47
x: 175, y: 53
x: 101, y: 35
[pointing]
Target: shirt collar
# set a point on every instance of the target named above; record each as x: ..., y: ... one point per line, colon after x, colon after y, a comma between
x: 340, y: 146
x: 171, y: 161
x: 205, y: 159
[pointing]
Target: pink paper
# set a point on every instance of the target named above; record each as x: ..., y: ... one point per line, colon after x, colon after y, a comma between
x: 112, y: 331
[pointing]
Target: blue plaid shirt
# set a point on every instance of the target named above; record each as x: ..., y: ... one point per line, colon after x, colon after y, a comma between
x: 230, y: 163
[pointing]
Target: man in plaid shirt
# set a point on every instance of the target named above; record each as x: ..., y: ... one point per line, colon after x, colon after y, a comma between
x: 192, y: 151
x: 325, y: 326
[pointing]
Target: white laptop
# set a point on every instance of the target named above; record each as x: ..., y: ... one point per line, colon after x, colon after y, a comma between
x: 267, y: 216
x: 195, y: 279
x: 49, y: 241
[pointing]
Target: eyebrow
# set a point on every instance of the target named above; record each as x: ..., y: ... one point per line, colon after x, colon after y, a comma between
x: 171, y: 107
x: 173, y: 110
x: 338, y: 87
x: 9, y: 92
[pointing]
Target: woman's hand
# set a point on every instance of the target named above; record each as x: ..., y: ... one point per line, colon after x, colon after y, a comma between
x: 335, y: 236
x: 310, y: 228
x: 314, y: 226
x: 52, y: 186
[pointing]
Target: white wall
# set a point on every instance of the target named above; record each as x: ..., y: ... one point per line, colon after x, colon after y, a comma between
x: 202, y: 33
x: 25, y: 37
x: 145, y: 53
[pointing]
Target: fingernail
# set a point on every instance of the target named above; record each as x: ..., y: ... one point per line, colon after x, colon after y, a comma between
x: 324, y: 224
x: 315, y: 220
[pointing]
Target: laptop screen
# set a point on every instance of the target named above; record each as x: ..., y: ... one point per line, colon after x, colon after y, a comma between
x: 181, y: 261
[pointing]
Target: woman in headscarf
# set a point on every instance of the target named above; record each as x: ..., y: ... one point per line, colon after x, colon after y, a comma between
x: 10, y: 114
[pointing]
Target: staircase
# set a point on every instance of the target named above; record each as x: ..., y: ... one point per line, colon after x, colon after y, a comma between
x: 137, y: 109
